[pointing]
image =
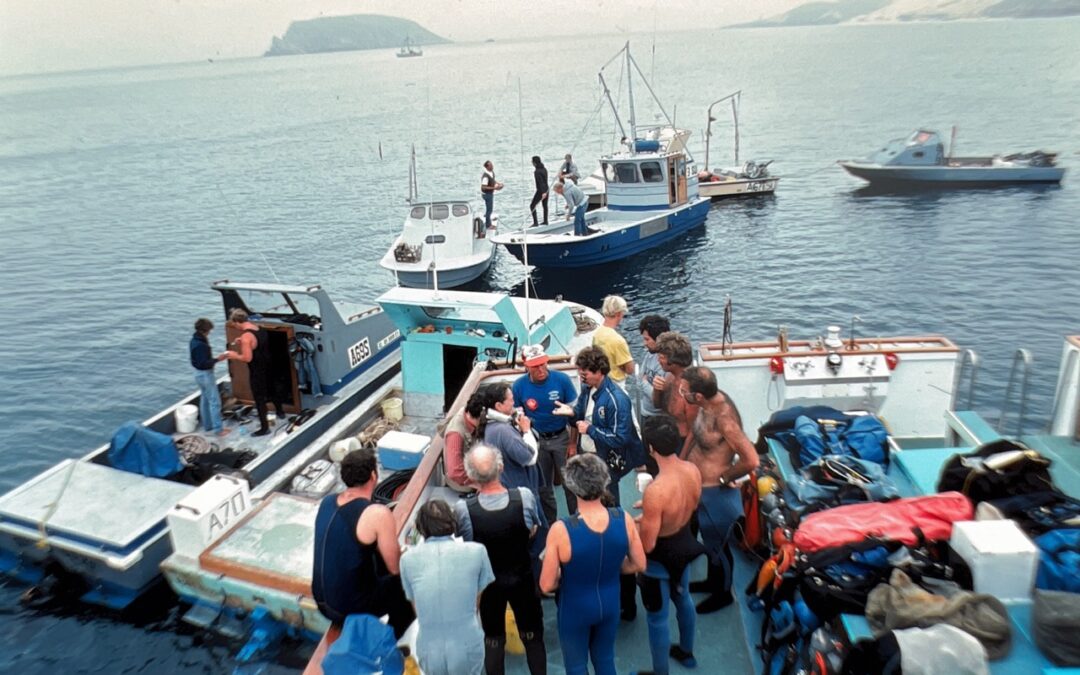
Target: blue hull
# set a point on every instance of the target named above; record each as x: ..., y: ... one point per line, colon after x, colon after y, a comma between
x: 617, y: 244
x: 448, y: 278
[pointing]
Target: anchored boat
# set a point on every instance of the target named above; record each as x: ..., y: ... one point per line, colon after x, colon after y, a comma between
x: 443, y: 243
x: 920, y: 161
x: 107, y: 526
x: 750, y: 178
x: 652, y: 198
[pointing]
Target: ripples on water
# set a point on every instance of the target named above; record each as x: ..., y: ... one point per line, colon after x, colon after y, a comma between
x: 123, y: 193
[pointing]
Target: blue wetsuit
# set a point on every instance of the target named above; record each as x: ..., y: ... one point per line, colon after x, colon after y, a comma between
x: 589, y: 594
x: 717, y: 512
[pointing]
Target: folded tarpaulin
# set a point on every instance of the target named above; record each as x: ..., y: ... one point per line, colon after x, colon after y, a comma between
x: 143, y: 451
x: 907, y: 521
x: 366, y: 647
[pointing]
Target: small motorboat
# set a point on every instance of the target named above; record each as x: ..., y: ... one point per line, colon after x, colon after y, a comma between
x: 444, y: 243
x: 749, y: 178
x: 920, y: 160
x: 409, y: 50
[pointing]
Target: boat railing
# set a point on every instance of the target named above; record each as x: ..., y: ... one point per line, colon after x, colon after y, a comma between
x: 969, y: 363
x: 1070, y: 366
x: 1021, y: 365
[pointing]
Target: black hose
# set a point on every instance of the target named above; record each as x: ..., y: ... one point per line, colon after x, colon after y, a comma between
x: 386, y: 490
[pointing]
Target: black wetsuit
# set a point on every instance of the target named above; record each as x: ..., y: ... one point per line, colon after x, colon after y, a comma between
x: 541, y: 195
x: 674, y: 552
x: 260, y: 377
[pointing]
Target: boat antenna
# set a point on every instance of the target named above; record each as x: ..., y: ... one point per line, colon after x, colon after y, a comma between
x: 414, y: 190
x: 254, y: 240
x: 952, y: 143
x: 525, y: 221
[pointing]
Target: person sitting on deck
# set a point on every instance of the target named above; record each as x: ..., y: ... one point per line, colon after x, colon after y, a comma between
x: 586, y: 553
x: 443, y: 576
x: 576, y: 205
x: 356, y: 550
x: 723, y: 454
x: 504, y: 521
x: 461, y: 433
x: 668, y: 504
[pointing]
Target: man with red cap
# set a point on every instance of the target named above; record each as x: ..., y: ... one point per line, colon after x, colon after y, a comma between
x: 540, y: 393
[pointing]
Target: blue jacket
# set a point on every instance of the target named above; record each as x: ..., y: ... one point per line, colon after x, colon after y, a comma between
x: 612, y: 424
x: 201, y: 356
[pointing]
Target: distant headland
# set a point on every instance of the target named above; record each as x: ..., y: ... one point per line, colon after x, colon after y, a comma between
x: 349, y: 33
x: 894, y: 11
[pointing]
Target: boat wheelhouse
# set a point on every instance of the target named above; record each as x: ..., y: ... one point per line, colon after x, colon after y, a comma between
x: 443, y: 244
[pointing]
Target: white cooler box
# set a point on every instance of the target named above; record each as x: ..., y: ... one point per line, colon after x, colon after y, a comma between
x: 206, y: 513
x: 399, y: 451
x: 1003, y: 560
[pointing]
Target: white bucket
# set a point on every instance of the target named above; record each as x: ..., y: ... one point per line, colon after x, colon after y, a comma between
x: 343, y: 447
x: 392, y: 409
x: 187, y: 418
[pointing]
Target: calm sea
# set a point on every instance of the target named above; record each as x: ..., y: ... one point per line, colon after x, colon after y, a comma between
x: 124, y: 193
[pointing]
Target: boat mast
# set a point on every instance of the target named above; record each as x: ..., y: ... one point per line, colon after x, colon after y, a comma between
x: 630, y: 97
x: 614, y: 109
x: 952, y: 144
x: 413, y: 190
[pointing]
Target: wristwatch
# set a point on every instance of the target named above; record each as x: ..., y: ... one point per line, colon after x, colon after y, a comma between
x: 723, y: 482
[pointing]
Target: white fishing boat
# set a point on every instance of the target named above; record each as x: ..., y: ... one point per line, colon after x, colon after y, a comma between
x: 652, y: 198
x: 408, y: 49
x: 749, y: 178
x: 103, y: 523
x: 444, y: 243
x: 920, y: 161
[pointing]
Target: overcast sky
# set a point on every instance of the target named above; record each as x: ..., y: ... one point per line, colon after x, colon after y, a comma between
x: 49, y: 35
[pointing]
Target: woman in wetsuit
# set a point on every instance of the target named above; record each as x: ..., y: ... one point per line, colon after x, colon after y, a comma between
x: 588, y: 551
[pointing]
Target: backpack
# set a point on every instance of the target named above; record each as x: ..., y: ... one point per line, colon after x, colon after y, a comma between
x: 997, y: 469
x: 836, y: 480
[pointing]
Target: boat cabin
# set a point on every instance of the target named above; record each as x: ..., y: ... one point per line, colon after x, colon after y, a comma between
x: 922, y: 148
x: 652, y: 173
x: 447, y: 228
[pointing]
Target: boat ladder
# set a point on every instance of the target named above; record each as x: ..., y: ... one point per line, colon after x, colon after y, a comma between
x: 971, y: 361
x: 1021, y: 363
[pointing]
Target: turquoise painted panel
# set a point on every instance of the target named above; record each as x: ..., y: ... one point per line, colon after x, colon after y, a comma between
x: 923, y: 467
x: 422, y: 367
x: 979, y: 427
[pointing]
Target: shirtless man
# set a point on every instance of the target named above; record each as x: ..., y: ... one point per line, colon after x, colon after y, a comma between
x: 723, y: 454
x: 668, y: 504
x: 675, y: 354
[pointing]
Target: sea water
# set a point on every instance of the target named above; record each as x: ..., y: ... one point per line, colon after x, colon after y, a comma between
x: 124, y: 193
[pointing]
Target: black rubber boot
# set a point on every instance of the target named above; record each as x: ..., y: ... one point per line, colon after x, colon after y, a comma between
x: 627, y: 597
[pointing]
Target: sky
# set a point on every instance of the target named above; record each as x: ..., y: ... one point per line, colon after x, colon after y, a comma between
x: 55, y: 35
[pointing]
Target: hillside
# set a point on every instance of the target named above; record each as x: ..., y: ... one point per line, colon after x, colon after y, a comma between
x: 348, y: 33
x: 887, y: 11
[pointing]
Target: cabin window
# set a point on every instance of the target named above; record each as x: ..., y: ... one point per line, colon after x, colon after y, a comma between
x: 440, y: 211
x: 435, y: 239
x: 460, y: 210
x: 417, y: 213
x: 651, y: 172
x: 917, y: 154
x: 626, y: 172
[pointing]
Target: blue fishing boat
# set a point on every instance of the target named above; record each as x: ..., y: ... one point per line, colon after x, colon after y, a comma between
x: 106, y: 526
x: 652, y: 198
x: 920, y: 161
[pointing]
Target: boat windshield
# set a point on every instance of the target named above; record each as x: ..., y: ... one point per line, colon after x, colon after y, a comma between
x: 267, y: 304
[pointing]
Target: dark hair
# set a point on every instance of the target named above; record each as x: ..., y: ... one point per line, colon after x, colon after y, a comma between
x: 435, y: 519
x: 653, y: 325
x: 701, y: 380
x: 675, y: 348
x: 536, y: 160
x: 203, y: 326
x: 476, y: 404
x: 594, y: 359
x: 661, y: 434
x: 494, y: 393
x: 358, y: 467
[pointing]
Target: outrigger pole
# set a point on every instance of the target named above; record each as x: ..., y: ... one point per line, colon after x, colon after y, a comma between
x: 735, y: 115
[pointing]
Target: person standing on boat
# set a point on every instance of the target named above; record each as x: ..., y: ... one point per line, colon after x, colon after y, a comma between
x: 576, y: 205
x: 488, y: 187
x: 539, y: 394
x: 540, y: 174
x: 604, y: 426
x: 668, y: 504
x: 650, y: 372
x: 723, y: 454
x: 510, y: 432
x: 443, y: 577
x: 614, y: 345
x: 505, y: 521
x: 586, y: 554
x: 253, y: 348
x: 675, y: 355
x: 461, y: 433
x: 356, y: 550
x: 203, y: 361
x: 568, y: 170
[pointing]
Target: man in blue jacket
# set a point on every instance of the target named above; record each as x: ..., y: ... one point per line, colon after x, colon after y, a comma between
x: 605, y: 425
x: 203, y: 361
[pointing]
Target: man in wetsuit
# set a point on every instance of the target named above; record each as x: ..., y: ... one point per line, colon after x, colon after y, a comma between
x: 723, y: 454
x: 504, y: 521
x: 253, y: 348
x: 540, y: 175
x: 675, y: 355
x: 668, y: 504
x: 357, y: 552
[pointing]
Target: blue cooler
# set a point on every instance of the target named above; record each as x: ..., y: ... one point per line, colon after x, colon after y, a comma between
x: 399, y: 450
